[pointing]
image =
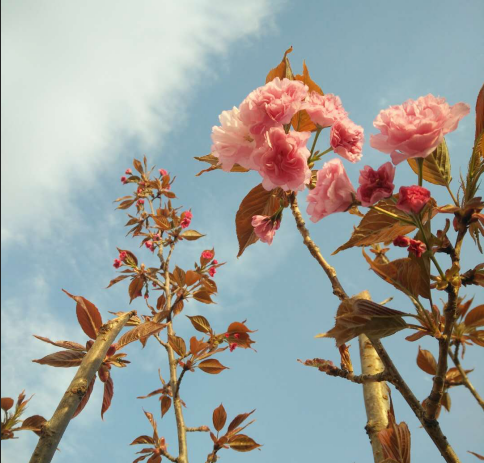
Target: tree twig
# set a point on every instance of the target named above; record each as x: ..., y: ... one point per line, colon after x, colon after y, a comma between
x: 53, y: 430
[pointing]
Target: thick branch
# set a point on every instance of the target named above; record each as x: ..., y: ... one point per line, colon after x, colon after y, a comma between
x: 53, y: 430
x: 465, y: 379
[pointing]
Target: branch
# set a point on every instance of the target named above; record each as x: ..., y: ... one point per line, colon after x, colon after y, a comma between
x: 465, y: 379
x: 199, y: 429
x: 168, y: 456
x: 53, y: 430
x: 357, y: 379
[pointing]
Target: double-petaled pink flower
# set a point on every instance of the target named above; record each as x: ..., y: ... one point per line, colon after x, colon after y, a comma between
x: 412, y: 199
x: 333, y: 191
x: 163, y: 172
x: 282, y: 160
x: 212, y: 271
x: 346, y: 139
x: 265, y: 228
x: 186, y: 219
x: 416, y: 247
x: 124, y: 180
x: 375, y: 184
x: 324, y: 110
x: 207, y: 255
x: 415, y: 128
x: 149, y: 244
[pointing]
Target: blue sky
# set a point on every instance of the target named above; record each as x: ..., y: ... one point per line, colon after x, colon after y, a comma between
x: 87, y: 88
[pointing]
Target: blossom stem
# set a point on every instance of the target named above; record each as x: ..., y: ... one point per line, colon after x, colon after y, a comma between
x: 452, y: 195
x: 420, y: 162
x: 431, y: 254
x: 391, y: 214
x: 318, y: 132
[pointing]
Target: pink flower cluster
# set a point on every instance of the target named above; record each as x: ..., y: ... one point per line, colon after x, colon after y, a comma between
x: 119, y: 261
x: 416, y: 247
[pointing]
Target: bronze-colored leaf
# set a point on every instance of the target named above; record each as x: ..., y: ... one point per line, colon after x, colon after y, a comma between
x: 191, y: 235
x: 151, y: 394
x: 395, y: 440
x: 86, y: 398
x: 126, y: 204
x: 212, y: 366
x: 480, y: 457
x: 162, y: 222
x: 138, y: 166
x: 143, y: 440
x: 282, y: 70
x: 436, y: 166
x: 107, y: 396
x: 426, y: 361
x: 71, y: 345
x: 88, y: 315
x: 238, y: 327
x: 200, y: 323
x: 377, y: 227
x: 117, y: 280
x: 453, y: 376
x: 7, y: 403
x: 214, y: 165
x: 165, y: 404
x: 63, y: 359
x: 480, y: 113
x: 191, y: 277
x: 33, y: 423
x: 178, y: 345
x: 243, y: 443
x: 219, y: 418
x: 446, y: 402
x: 259, y: 201
x: 238, y: 420
x: 179, y: 276
x: 203, y: 296
x: 135, y: 287
x: 416, y: 336
x: 143, y: 331
x: 475, y: 318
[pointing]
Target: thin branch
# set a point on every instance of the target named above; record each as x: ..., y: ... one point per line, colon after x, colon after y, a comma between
x: 357, y: 379
x: 199, y: 429
x: 465, y: 379
x: 168, y: 456
x: 53, y: 430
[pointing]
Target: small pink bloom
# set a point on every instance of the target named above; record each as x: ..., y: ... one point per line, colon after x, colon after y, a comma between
x: 140, y: 191
x: 333, y: 191
x: 412, y: 198
x: 415, y: 128
x: 123, y: 255
x: 346, y: 139
x: 157, y: 237
x: 128, y: 172
x: 265, y: 228
x: 163, y: 172
x: 233, y: 346
x: 215, y: 262
x: 232, y: 141
x: 375, y: 184
x: 207, y: 255
x: 324, y: 110
x: 141, y: 202
x: 282, y: 161
x: 272, y: 105
x: 124, y: 180
x: 186, y: 219
x: 117, y: 263
x: 401, y: 241
x: 150, y: 245
x: 417, y: 247
x: 212, y: 271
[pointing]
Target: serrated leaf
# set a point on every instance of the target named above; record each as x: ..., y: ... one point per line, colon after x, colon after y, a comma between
x: 165, y: 404
x: 426, y: 361
x: 475, y: 318
x: 243, y: 443
x: 395, y: 441
x: 86, y: 398
x: 138, y: 166
x: 200, y: 323
x: 162, y: 222
x: 203, y: 296
x: 214, y: 165
x: 436, y: 166
x: 179, y: 276
x: 211, y: 366
x: 143, y: 440
x: 135, y: 288
x: 143, y: 331
x: 191, y: 235
x: 258, y: 201
x: 107, y: 396
x: 219, y: 418
x: 117, y: 280
x: 62, y: 359
x: 282, y: 70
x: 178, y: 345
x: 64, y: 344
x: 88, y: 315
x: 238, y: 420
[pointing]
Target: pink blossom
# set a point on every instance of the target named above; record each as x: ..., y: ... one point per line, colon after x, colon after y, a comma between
x: 141, y: 202
x: 346, y: 139
x: 417, y: 247
x: 232, y: 141
x: 212, y: 271
x: 157, y: 237
x: 233, y: 346
x: 117, y: 263
x: 415, y: 128
x: 375, y: 184
x: 412, y: 199
x: 282, y: 161
x: 272, y: 105
x: 124, y: 180
x: 215, y: 262
x: 207, y: 255
x: 123, y: 255
x: 186, y: 219
x: 333, y: 191
x: 150, y: 245
x: 401, y: 241
x: 163, y: 172
x: 265, y: 228
x: 324, y: 110
x: 128, y: 172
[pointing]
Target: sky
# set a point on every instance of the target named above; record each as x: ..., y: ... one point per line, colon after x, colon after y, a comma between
x: 87, y: 87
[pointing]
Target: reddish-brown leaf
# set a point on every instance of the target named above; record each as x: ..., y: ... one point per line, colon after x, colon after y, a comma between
x: 142, y: 440
x: 214, y: 165
x: 219, y: 418
x: 153, y: 424
x: 282, y: 70
x: 480, y: 114
x: 212, y: 366
x: 191, y: 277
x: 203, y: 296
x: 63, y: 358
x: 108, y: 396
x: 475, y: 318
x: 259, y: 201
x: 141, y: 332
x: 117, y: 280
x: 416, y: 336
x: 86, y: 398
x: 426, y: 361
x: 64, y: 344
x: 138, y: 166
x: 7, y: 403
x: 238, y: 420
x: 88, y: 315
x: 162, y: 222
x: 165, y: 404
x: 238, y: 327
x: 135, y: 287
x: 480, y: 457
x: 178, y: 345
x: 151, y: 394
x: 395, y: 440
x: 446, y: 402
x: 243, y: 443
x: 33, y: 423
x: 179, y: 276
x: 200, y: 323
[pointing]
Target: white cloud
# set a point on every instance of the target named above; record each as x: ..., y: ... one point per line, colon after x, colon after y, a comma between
x: 80, y: 82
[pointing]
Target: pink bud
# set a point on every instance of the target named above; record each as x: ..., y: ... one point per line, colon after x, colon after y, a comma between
x: 141, y: 202
x: 207, y: 255
x: 417, y: 247
x: 233, y: 346
x: 117, y: 263
x: 124, y: 180
x: 123, y: 255
x: 150, y: 246
x: 227, y: 335
x: 401, y: 241
x: 236, y: 335
x: 128, y: 172
x: 215, y: 262
x: 163, y: 172
x: 212, y: 271
x: 157, y: 237
x: 186, y: 218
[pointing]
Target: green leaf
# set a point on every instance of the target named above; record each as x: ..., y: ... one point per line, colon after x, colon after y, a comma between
x: 436, y: 166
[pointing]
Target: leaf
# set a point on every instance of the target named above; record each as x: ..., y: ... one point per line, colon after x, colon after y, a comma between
x: 282, y: 70
x: 203, y: 296
x: 151, y: 394
x: 143, y: 331
x: 377, y: 227
x: 238, y: 420
x: 191, y: 277
x: 436, y: 166
x: 476, y: 454
x: 258, y: 201
x: 64, y: 344
x: 237, y: 327
x: 33, y: 423
x: 191, y: 235
x: 162, y: 222
x: 86, y: 398
x: 453, y: 376
x: 395, y: 440
x: 7, y: 403
x: 212, y: 366
x: 117, y: 280
x: 179, y: 276
x: 165, y: 404
x: 426, y: 361
x: 126, y: 204
x: 108, y: 396
x: 200, y: 323
x: 135, y: 287
x: 243, y: 443
x: 143, y: 440
x: 475, y: 318
x: 63, y: 358
x: 219, y: 418
x: 480, y: 114
x: 88, y: 315
x: 446, y: 402
x: 178, y: 345
x: 214, y: 165
x: 153, y: 424
x: 138, y: 166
